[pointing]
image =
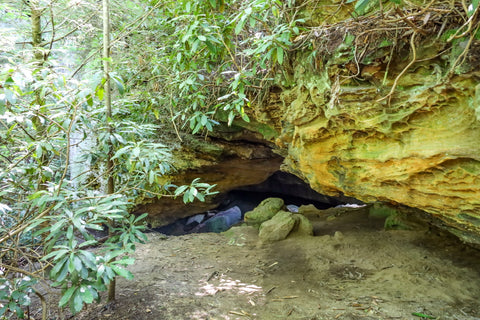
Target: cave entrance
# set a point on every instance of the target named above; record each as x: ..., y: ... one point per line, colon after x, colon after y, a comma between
x: 235, y: 203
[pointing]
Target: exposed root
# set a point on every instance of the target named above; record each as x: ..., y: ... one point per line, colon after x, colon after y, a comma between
x: 414, y: 59
x: 384, y: 34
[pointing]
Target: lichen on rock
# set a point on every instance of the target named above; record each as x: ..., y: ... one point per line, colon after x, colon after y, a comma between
x: 264, y: 211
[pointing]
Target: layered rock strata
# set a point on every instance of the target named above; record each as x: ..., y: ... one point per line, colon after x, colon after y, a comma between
x: 345, y: 132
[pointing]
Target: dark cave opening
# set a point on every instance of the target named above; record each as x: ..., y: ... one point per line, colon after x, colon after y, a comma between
x: 235, y: 203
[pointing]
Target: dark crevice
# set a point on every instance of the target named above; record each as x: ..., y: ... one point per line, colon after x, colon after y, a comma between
x: 235, y: 203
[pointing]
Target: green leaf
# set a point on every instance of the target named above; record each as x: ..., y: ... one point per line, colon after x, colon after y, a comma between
x: 19, y: 311
x: 77, y: 303
x: 472, y: 7
x: 3, y: 310
x: 70, y: 232
x: 197, y: 128
x: 180, y: 190
x: 71, y: 265
x: 89, y: 258
x: 124, y: 261
x: 34, y: 224
x: 151, y: 177
x: 66, y: 296
x: 10, y: 96
x: 86, y: 294
x: 202, y: 38
x: 280, y: 55
x: 122, y: 272
x: 77, y: 263
x: 99, y: 93
x: 186, y: 196
x: 63, y: 272
x: 211, y: 47
x: 200, y: 197
x: 119, y: 83
x: 39, y: 151
x: 231, y: 116
x: 240, y: 25
x: 57, y: 253
x: 89, y: 100
x: 58, y: 266
x: 57, y: 226
x: 361, y: 5
x: 88, y: 243
x: 140, y: 217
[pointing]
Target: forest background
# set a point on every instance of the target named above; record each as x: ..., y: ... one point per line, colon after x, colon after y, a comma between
x: 92, y: 101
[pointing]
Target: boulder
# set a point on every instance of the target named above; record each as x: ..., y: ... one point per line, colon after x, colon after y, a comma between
x: 277, y: 228
x: 221, y: 221
x: 292, y: 208
x: 264, y: 211
x: 309, y: 210
x: 194, y: 221
x: 303, y: 226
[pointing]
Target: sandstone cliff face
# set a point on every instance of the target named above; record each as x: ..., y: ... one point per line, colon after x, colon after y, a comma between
x: 342, y: 132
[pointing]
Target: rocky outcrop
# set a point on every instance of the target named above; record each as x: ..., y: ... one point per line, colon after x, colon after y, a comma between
x: 422, y: 151
x: 371, y: 108
x: 397, y: 124
x: 225, y: 164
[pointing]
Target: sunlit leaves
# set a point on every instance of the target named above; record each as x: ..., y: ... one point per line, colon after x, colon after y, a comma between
x: 215, y: 48
x: 15, y: 294
x: 472, y: 7
x: 196, y: 190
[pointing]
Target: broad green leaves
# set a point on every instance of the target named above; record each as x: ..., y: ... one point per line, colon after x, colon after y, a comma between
x: 216, y: 48
x: 15, y: 295
x: 196, y: 190
x: 50, y: 126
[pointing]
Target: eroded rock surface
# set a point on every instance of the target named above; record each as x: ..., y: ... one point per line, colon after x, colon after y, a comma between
x: 344, y: 131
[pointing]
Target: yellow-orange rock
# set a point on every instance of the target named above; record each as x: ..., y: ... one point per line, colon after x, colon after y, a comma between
x: 419, y: 147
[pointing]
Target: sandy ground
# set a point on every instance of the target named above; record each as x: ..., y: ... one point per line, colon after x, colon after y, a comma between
x: 351, y: 269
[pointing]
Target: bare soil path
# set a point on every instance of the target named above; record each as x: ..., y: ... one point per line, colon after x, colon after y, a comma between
x: 351, y: 269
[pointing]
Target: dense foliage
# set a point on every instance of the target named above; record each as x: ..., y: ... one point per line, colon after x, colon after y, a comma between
x: 184, y: 62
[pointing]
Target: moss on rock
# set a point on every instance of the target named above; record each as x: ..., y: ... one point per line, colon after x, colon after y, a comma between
x: 277, y: 228
x: 264, y: 211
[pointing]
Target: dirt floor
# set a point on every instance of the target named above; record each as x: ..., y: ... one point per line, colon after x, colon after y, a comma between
x: 351, y: 269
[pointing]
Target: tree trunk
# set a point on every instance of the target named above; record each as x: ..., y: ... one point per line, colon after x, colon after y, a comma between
x: 108, y: 107
x: 38, y: 59
x: 36, y: 14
